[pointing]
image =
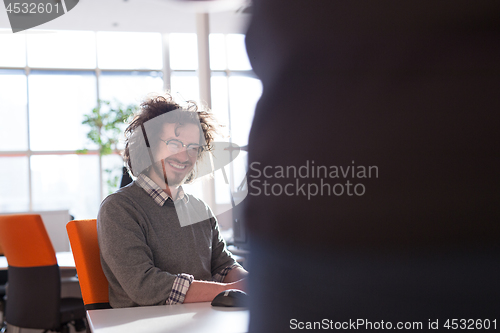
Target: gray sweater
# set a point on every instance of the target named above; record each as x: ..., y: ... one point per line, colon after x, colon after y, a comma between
x: 143, y: 247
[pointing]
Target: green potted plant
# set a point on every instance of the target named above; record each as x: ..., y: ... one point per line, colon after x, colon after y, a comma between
x: 106, y: 125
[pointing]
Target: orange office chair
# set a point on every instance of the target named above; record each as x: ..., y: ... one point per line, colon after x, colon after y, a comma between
x: 93, y: 283
x: 34, y: 290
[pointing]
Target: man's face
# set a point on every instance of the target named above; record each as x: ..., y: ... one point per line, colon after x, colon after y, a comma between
x: 176, y: 166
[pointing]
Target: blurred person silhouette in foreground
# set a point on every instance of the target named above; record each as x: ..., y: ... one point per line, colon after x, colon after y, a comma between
x: 408, y: 90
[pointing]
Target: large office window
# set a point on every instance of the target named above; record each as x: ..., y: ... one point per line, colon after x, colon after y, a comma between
x: 49, y: 80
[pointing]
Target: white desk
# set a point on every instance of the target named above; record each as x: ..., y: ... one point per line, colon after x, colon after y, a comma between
x: 65, y: 261
x: 185, y: 318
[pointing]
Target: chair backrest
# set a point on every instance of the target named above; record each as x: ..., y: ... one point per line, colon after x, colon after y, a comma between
x: 34, y: 279
x: 93, y: 283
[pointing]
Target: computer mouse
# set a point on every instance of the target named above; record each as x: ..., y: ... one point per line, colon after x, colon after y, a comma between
x: 231, y: 297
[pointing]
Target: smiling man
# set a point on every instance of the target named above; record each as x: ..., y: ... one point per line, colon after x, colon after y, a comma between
x: 158, y: 244
x: 175, y: 165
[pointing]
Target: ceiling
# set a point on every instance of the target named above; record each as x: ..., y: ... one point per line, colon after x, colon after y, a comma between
x: 147, y: 16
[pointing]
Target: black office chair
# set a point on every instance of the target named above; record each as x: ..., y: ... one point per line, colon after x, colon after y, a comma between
x: 4, y: 274
x: 34, y: 290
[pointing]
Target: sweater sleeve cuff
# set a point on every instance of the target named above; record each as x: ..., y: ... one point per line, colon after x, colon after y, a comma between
x: 220, y: 276
x: 179, y: 289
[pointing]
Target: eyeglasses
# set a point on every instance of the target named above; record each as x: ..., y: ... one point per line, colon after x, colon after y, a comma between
x: 175, y: 146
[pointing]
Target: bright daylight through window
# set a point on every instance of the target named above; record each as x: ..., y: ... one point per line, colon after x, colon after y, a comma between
x: 45, y: 95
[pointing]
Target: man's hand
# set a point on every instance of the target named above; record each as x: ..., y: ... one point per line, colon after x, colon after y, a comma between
x: 240, y: 284
x: 205, y: 291
x: 236, y: 274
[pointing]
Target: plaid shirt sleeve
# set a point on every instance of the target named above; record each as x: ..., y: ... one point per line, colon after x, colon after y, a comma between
x: 220, y: 276
x: 179, y: 289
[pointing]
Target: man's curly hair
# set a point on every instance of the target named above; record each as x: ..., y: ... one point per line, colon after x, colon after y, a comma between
x: 157, y: 105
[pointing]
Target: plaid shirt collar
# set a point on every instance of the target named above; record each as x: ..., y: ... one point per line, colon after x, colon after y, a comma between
x: 156, y: 192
